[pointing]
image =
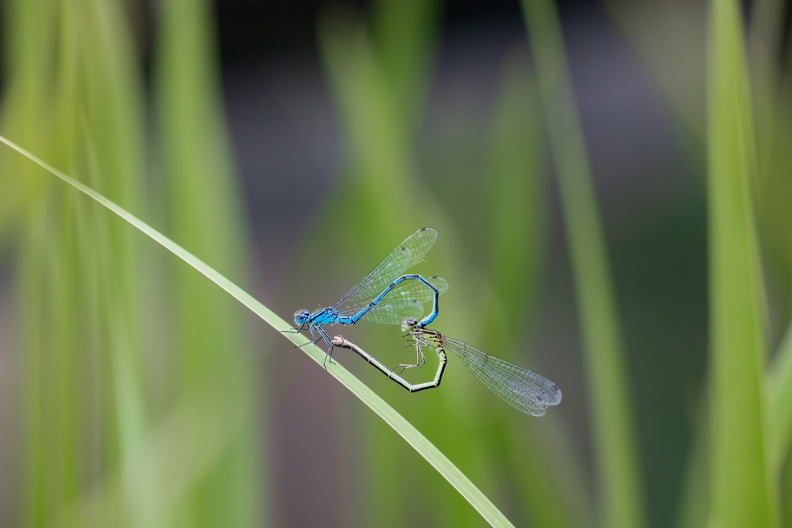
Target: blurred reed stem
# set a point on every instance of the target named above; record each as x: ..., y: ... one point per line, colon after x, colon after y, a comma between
x: 615, y: 448
x: 740, y: 487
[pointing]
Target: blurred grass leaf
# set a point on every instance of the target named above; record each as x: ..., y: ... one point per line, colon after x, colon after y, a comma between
x: 740, y: 491
x: 615, y: 444
x: 779, y: 403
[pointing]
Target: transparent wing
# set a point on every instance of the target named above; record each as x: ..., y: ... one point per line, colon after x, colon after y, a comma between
x: 394, y: 311
x: 417, y: 290
x: 519, y: 387
x: 410, y: 290
x: 419, y: 244
x: 406, y: 255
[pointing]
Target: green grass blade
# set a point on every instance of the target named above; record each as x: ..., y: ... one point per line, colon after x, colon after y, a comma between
x: 198, y: 178
x: 779, y: 394
x: 552, y: 488
x: 611, y: 419
x: 785, y: 483
x: 236, y: 292
x: 740, y: 491
x: 404, y: 32
x: 425, y: 448
x: 695, y: 497
x: 113, y: 104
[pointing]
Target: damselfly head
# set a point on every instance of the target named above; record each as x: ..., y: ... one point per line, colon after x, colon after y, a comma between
x: 301, y: 316
x: 409, y: 324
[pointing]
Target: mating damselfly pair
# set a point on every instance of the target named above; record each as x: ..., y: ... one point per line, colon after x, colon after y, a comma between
x: 388, y: 295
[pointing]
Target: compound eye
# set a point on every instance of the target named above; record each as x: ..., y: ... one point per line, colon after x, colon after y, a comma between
x: 301, y: 316
x: 408, y: 324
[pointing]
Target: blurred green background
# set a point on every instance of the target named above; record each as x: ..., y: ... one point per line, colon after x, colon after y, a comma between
x: 611, y: 185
